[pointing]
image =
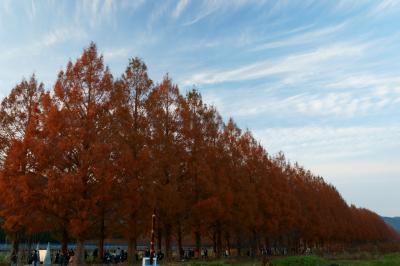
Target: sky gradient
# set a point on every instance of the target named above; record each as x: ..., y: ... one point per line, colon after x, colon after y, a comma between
x: 318, y: 80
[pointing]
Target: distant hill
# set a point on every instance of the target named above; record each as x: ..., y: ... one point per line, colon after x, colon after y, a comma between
x: 393, y: 221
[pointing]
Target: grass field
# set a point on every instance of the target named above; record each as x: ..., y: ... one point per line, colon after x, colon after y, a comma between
x: 364, y: 260
x: 385, y: 260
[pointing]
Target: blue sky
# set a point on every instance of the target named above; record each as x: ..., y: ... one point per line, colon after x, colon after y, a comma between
x: 318, y: 80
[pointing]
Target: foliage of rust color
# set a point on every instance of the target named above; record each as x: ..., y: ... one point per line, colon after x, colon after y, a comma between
x: 95, y: 156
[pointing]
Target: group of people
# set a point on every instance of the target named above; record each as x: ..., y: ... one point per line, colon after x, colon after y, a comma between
x: 159, y: 254
x: 110, y: 257
x: 116, y: 256
x: 34, y: 258
x: 65, y: 258
x: 204, y: 253
x: 14, y: 259
x: 194, y: 253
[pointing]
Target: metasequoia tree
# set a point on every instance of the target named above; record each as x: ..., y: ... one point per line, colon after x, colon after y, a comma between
x: 82, y: 95
x: 18, y: 116
x: 166, y: 150
x: 132, y: 124
x: 198, y: 129
x: 52, y: 157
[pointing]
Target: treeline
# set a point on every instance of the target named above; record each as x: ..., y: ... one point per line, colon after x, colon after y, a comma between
x: 94, y: 157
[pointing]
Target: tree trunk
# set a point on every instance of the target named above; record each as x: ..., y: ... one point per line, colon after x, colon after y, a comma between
x: 219, y: 240
x: 167, y: 242
x: 79, y: 254
x: 214, y: 240
x: 64, y: 241
x: 159, y: 238
x: 251, y: 244
x: 239, y: 245
x: 14, y: 243
x: 132, y: 250
x: 258, y: 243
x: 197, y: 237
x: 180, y: 242
x: 101, y: 240
x: 228, y: 243
x: 101, y: 250
x: 29, y: 245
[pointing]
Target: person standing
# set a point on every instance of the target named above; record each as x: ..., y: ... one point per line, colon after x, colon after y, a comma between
x: 14, y: 259
x: 35, y: 257
x: 118, y: 255
x: 57, y: 257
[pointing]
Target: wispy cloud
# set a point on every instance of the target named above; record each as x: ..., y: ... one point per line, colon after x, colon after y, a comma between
x: 132, y: 5
x: 209, y: 7
x: 200, y: 16
x: 95, y: 11
x: 384, y: 7
x: 346, y: 7
x: 330, y: 104
x: 360, y: 170
x: 51, y: 38
x: 333, y: 143
x: 60, y: 35
x: 182, y: 4
x: 301, y: 38
x: 367, y: 80
x: 156, y: 14
x: 110, y: 54
x: 31, y: 10
x: 302, y: 62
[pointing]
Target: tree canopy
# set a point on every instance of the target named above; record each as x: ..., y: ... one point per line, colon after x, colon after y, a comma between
x: 93, y: 157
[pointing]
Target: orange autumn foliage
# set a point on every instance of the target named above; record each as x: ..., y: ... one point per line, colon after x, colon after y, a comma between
x: 95, y: 156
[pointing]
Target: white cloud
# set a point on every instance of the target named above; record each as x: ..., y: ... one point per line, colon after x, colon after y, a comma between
x: 95, y: 12
x: 209, y: 7
x: 57, y: 36
x: 345, y: 6
x: 110, y: 54
x: 200, y: 16
x: 303, y: 37
x: 60, y: 35
x: 324, y: 104
x: 314, y: 145
x: 359, y: 81
x: 212, y: 98
x: 132, y: 5
x: 307, y: 62
x: 182, y: 4
x: 384, y: 7
x: 31, y: 10
x: 359, y: 169
x: 156, y: 14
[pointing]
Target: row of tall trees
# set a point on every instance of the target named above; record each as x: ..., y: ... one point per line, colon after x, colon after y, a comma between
x: 94, y: 157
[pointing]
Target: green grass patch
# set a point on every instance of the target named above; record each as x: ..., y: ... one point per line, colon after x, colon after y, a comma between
x: 206, y: 263
x: 360, y: 259
x: 384, y: 260
x: 299, y: 261
x: 3, y: 258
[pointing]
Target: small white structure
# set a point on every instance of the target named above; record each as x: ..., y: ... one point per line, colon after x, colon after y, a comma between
x: 146, y: 261
x: 42, y: 255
